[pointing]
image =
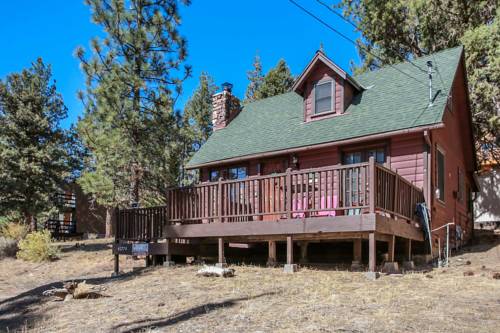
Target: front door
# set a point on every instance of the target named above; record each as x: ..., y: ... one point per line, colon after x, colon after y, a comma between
x: 353, y: 188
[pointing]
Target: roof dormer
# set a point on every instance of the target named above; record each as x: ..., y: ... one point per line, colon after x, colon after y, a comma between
x: 326, y: 88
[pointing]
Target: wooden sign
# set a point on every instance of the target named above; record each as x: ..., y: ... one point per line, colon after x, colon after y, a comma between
x: 140, y: 249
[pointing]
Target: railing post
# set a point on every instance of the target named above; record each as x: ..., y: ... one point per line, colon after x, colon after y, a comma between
x: 371, y: 188
x: 395, y: 204
x: 219, y: 200
x: 288, y: 196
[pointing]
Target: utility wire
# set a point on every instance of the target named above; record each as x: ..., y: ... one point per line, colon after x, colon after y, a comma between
x: 357, y: 28
x: 438, y: 71
x: 350, y: 40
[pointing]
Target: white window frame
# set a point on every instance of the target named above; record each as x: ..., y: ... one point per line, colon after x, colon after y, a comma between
x: 442, y: 152
x: 332, y: 97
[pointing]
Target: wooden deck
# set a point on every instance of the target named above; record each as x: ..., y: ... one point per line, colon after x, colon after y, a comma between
x: 356, y: 201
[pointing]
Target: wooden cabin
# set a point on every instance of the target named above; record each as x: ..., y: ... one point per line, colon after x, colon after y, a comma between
x: 339, y: 157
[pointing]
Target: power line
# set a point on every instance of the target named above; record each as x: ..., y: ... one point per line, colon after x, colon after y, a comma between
x: 437, y: 70
x: 357, y: 28
x: 350, y: 40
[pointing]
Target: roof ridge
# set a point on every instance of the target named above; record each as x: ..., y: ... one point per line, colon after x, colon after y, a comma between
x: 266, y: 98
x: 407, y: 62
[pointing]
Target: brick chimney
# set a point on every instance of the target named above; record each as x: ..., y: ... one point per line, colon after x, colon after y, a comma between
x: 225, y: 106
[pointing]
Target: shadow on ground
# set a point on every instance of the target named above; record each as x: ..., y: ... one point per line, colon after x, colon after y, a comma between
x: 17, y: 313
x: 483, y: 240
x: 141, y: 325
x: 66, y: 248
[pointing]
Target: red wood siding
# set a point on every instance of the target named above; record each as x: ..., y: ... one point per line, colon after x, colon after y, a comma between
x: 406, y: 157
x: 455, y: 140
x: 319, y: 158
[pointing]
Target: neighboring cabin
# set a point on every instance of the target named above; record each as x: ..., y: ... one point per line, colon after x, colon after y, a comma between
x: 338, y: 157
x: 487, y: 203
x: 77, y: 215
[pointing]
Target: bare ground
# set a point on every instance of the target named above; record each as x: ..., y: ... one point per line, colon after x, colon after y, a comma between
x: 257, y: 299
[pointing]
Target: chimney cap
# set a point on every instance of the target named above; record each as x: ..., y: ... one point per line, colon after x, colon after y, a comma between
x: 226, y: 86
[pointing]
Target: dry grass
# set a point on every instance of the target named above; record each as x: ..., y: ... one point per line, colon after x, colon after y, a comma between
x: 257, y: 299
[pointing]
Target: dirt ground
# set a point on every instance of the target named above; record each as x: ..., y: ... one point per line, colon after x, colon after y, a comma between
x: 257, y: 299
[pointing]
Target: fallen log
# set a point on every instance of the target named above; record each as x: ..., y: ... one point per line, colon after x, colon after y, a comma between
x: 75, y: 290
x: 215, y: 271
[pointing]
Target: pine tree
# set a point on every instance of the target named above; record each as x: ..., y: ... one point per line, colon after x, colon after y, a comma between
x: 277, y: 81
x: 400, y: 30
x: 256, y: 78
x: 198, y: 113
x: 197, y: 122
x: 133, y: 79
x: 36, y: 156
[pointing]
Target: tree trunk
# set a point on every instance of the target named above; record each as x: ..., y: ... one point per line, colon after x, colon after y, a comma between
x: 30, y: 221
x: 109, y: 222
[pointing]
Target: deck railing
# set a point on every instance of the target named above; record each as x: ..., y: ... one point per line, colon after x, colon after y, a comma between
x: 141, y: 224
x: 60, y: 227
x: 329, y: 191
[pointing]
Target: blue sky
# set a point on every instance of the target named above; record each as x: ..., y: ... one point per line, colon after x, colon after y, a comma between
x: 223, y: 37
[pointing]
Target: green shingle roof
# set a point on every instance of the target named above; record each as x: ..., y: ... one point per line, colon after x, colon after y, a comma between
x: 392, y: 101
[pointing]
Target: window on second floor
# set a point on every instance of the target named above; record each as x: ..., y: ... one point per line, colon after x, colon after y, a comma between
x: 324, y: 97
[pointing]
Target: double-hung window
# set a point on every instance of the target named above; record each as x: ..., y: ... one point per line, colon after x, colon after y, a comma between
x: 440, y: 174
x: 324, y: 97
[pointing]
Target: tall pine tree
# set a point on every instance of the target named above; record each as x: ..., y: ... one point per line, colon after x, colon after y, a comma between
x: 198, y: 113
x: 256, y: 78
x: 134, y: 76
x: 277, y: 81
x: 400, y: 29
x: 36, y: 156
x: 197, y: 121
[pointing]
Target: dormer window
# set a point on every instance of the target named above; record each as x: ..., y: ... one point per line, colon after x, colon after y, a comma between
x: 324, y: 97
x: 327, y: 90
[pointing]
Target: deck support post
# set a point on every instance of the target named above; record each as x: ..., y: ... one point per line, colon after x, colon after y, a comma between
x: 290, y: 267
x: 356, y: 258
x: 271, y: 260
x: 222, y: 260
x: 371, y: 252
x: 408, y: 250
x: 289, y: 250
x: 168, y: 257
x: 391, y: 266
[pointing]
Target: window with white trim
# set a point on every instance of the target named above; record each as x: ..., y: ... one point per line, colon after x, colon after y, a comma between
x: 440, y: 174
x: 324, y: 97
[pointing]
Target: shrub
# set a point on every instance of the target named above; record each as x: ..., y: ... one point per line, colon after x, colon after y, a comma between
x: 37, y: 247
x: 14, y: 231
x: 8, y: 247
